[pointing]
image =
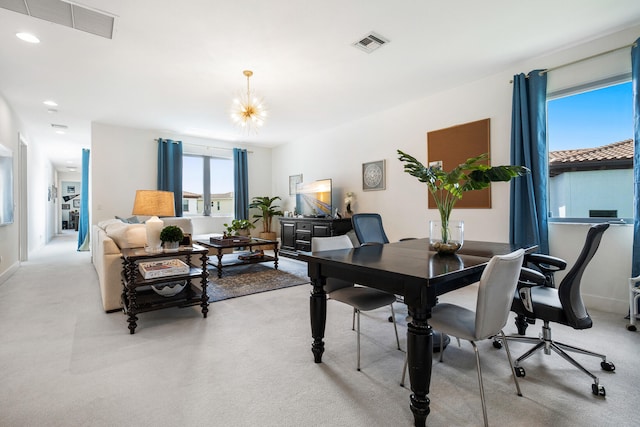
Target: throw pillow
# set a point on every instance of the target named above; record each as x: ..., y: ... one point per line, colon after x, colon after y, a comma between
x: 128, y: 235
x: 130, y: 220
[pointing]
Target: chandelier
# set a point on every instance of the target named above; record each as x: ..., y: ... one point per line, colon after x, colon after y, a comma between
x: 248, y: 111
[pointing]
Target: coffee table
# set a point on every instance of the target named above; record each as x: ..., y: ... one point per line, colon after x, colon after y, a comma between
x: 221, y: 245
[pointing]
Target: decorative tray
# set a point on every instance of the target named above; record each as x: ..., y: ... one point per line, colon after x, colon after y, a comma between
x: 228, y: 241
x: 162, y: 268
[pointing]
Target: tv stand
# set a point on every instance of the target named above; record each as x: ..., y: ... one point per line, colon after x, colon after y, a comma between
x: 296, y: 233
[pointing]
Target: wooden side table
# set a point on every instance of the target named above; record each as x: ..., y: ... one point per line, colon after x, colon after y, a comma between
x: 136, y: 299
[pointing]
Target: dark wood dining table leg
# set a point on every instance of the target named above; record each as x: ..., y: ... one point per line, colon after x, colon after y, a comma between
x: 318, y: 310
x: 419, y: 356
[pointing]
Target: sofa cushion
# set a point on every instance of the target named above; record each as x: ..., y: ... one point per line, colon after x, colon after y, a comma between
x: 127, y: 235
x: 104, y: 224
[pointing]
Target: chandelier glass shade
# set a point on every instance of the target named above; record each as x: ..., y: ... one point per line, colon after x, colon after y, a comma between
x: 248, y: 110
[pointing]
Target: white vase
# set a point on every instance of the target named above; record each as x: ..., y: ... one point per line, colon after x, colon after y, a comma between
x: 446, y: 240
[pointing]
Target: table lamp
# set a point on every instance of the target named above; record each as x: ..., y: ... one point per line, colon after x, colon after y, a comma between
x: 154, y: 203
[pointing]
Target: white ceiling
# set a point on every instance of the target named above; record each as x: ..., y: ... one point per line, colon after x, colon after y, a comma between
x: 176, y: 65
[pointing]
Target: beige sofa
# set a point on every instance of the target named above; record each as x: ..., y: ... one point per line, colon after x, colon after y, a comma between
x: 107, y: 238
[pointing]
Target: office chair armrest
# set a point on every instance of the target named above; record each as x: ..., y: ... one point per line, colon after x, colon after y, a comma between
x: 546, y: 263
x: 529, y: 278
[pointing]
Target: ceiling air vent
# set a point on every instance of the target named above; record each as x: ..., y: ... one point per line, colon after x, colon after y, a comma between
x: 67, y: 13
x: 371, y: 42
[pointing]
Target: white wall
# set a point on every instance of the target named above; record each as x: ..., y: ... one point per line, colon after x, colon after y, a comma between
x: 403, y: 205
x: 340, y: 152
x: 576, y: 193
x: 123, y: 160
x: 41, y: 176
x: 9, y: 128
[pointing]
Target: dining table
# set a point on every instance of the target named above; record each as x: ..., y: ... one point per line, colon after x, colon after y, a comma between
x: 412, y: 270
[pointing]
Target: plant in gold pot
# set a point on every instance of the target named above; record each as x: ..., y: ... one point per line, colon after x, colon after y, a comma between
x: 267, y: 211
x: 448, y: 187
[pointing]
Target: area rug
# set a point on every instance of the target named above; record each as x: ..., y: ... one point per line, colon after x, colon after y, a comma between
x: 249, y: 279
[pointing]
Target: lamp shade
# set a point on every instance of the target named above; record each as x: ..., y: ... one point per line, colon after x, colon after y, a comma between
x: 154, y: 203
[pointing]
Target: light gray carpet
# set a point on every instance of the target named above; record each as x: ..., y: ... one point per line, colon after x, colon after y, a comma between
x: 64, y: 362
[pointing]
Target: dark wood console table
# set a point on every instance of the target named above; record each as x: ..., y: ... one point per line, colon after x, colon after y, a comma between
x: 409, y: 269
x: 296, y: 233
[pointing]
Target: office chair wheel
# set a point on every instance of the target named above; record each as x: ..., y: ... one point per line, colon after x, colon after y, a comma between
x: 608, y: 366
x: 497, y: 344
x: 520, y: 373
x: 631, y: 327
x: 598, y: 390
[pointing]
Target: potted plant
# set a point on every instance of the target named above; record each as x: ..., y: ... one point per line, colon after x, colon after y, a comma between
x: 267, y: 211
x: 171, y: 237
x: 448, y: 187
x: 239, y: 227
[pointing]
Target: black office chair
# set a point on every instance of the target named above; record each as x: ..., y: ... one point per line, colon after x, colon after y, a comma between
x: 361, y: 298
x: 563, y: 305
x: 368, y: 228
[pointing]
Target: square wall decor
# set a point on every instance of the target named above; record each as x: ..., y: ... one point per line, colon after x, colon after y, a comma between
x: 373, y: 176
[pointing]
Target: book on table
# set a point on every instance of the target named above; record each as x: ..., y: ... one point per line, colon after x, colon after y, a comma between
x: 162, y: 268
x: 251, y: 255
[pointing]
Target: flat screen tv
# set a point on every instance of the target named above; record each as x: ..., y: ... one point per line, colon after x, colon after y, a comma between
x: 314, y: 199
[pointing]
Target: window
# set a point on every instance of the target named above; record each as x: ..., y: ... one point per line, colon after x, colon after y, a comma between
x: 590, y: 138
x: 207, y: 185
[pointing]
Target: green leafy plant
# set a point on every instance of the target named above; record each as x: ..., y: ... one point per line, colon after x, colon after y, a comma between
x: 171, y: 233
x: 268, y: 211
x: 448, y: 187
x: 237, y: 225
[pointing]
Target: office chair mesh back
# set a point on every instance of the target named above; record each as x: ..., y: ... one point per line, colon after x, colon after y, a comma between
x: 368, y: 228
x: 495, y: 293
x: 569, y: 289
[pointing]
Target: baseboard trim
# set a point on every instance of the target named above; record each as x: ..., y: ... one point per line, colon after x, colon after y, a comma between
x: 4, y: 276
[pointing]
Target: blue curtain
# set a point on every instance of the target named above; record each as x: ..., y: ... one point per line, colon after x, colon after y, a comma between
x: 84, y: 237
x: 635, y: 83
x: 170, y: 170
x: 528, y: 216
x: 240, y: 183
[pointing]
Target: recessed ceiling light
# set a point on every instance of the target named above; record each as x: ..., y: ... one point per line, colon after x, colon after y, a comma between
x: 28, y: 37
x: 60, y: 132
x: 50, y: 103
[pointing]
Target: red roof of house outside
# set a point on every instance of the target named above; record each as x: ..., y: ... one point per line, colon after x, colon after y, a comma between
x: 616, y: 151
x: 190, y: 195
x: 618, y: 155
